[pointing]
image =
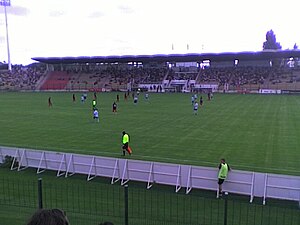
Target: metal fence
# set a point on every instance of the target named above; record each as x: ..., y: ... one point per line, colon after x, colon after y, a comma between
x: 90, y: 203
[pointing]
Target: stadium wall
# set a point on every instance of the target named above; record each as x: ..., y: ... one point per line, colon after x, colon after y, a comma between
x: 187, y: 177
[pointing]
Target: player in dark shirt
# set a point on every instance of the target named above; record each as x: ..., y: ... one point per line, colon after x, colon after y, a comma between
x: 49, y: 102
x: 114, y: 107
x: 201, y: 101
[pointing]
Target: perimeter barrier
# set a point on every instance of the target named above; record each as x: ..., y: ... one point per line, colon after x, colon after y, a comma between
x: 251, y: 184
x: 90, y: 203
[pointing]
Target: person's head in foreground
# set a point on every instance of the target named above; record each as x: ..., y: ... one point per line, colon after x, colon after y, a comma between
x: 49, y: 217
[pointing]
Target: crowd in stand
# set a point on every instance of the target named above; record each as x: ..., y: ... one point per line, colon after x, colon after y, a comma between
x: 26, y: 78
x: 135, y: 75
x: 21, y: 77
x: 281, y: 75
x: 119, y: 76
x: 250, y: 75
x: 236, y: 76
x: 182, y: 73
x: 153, y: 75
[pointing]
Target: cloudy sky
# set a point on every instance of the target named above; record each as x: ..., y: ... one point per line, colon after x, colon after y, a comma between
x: 57, y: 28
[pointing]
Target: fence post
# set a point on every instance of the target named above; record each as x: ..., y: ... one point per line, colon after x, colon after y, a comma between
x: 40, y: 193
x: 225, y: 208
x: 126, y: 203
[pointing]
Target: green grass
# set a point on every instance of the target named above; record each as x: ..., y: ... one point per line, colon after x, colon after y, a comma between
x: 253, y: 132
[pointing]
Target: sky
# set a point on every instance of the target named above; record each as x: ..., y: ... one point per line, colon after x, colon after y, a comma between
x: 58, y: 28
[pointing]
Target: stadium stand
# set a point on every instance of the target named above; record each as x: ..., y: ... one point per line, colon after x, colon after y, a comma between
x: 247, y: 77
x: 284, y: 79
x: 56, y: 80
x: 112, y: 78
x: 183, y: 73
x: 251, y: 78
x: 22, y: 77
x: 153, y: 75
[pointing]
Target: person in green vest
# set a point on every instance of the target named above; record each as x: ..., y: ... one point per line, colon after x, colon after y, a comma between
x: 222, y: 175
x: 125, y: 142
x: 94, y: 103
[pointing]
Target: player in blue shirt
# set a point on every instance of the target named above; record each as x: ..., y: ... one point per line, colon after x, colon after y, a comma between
x: 193, y: 99
x: 135, y: 99
x: 96, y: 115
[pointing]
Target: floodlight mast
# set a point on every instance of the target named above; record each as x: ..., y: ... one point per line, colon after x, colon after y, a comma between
x: 6, y: 3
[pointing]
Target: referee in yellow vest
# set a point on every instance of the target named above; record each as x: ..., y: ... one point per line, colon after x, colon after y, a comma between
x: 125, y: 142
x: 222, y: 175
x: 94, y: 103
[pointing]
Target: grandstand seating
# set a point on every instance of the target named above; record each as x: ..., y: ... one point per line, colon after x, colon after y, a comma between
x: 284, y: 80
x: 182, y: 75
x: 120, y: 77
x: 22, y: 77
x: 237, y: 78
x: 85, y: 81
x: 153, y: 75
x: 244, y: 77
x: 114, y: 78
x: 56, y: 80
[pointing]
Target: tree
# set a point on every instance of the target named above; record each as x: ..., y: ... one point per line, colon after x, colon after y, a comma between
x: 295, y: 46
x: 270, y: 42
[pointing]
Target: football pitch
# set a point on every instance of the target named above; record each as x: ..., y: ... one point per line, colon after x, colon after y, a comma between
x: 252, y: 132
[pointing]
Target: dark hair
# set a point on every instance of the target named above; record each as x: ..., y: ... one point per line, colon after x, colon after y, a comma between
x: 106, y: 223
x: 49, y: 217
